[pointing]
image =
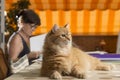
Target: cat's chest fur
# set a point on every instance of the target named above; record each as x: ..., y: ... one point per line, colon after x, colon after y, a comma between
x: 62, y: 50
x: 61, y: 62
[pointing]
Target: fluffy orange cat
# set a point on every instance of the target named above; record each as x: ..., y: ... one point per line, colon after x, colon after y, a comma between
x: 61, y: 58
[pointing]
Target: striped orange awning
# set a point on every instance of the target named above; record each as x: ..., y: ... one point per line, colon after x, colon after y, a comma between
x: 84, y: 16
x: 69, y: 4
x: 81, y: 22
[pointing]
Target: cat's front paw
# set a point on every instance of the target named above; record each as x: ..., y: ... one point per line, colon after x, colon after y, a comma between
x: 80, y: 75
x: 56, y: 75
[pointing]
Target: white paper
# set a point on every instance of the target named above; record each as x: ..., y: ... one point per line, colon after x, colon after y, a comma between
x: 36, y: 42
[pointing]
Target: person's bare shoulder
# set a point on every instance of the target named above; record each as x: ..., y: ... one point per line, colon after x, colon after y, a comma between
x: 15, y: 40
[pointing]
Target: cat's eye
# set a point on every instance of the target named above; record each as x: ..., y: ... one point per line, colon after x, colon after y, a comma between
x: 63, y: 35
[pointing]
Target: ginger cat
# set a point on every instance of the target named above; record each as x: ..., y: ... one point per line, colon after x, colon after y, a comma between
x: 61, y: 58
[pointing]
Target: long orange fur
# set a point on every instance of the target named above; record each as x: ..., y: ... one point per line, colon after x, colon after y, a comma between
x: 61, y: 58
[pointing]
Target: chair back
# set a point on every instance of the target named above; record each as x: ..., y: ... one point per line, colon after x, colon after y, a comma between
x: 3, y: 65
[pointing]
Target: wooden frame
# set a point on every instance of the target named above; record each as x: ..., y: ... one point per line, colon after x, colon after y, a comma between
x: 2, y: 24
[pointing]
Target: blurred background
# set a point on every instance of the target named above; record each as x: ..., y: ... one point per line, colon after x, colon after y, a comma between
x: 95, y: 24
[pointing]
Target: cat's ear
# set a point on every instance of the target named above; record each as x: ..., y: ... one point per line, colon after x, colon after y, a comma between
x: 55, y: 28
x: 67, y: 26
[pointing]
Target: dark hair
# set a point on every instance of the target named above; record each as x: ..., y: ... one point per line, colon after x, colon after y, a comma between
x: 29, y: 16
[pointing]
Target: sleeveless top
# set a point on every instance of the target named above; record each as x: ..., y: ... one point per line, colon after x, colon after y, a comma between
x: 26, y: 49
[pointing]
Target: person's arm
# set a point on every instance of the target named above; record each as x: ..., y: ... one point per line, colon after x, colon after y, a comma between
x: 15, y: 47
x: 33, y: 54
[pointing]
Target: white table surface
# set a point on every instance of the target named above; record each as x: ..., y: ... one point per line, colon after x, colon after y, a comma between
x: 32, y: 72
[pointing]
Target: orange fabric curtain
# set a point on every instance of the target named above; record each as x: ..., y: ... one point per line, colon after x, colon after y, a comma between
x: 81, y: 22
x: 70, y: 4
x: 84, y: 16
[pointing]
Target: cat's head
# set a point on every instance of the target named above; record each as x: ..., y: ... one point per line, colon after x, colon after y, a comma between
x: 60, y: 36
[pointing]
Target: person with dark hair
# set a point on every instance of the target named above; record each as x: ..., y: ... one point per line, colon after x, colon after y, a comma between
x: 19, y: 43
